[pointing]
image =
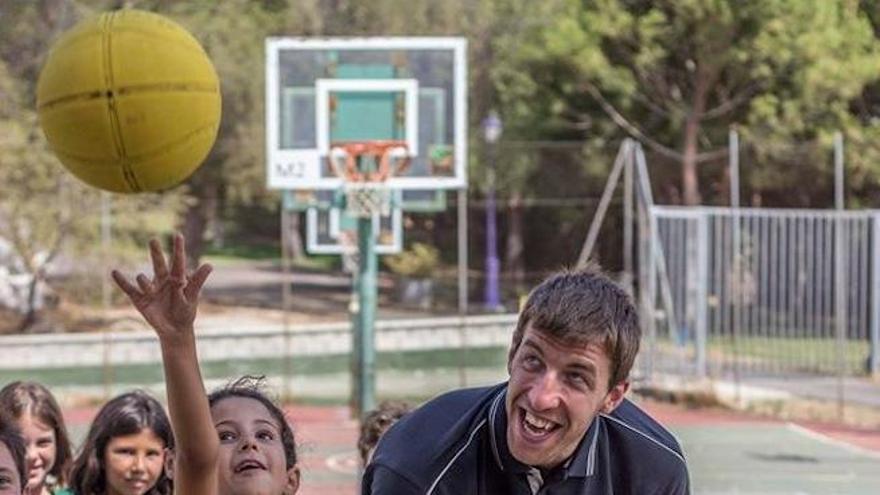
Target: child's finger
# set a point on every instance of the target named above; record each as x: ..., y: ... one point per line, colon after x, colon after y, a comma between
x: 160, y: 268
x: 144, y: 283
x: 178, y: 260
x: 196, y: 281
x: 126, y: 286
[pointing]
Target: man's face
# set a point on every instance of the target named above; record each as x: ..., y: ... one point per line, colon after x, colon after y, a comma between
x: 555, y: 391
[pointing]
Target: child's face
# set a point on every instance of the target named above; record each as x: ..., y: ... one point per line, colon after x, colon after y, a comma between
x: 252, y: 459
x: 133, y: 463
x: 10, y: 481
x: 41, y: 449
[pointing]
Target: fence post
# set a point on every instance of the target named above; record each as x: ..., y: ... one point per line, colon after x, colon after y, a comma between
x: 840, y: 316
x: 874, y: 356
x: 647, y: 288
x: 651, y: 299
x: 702, y: 276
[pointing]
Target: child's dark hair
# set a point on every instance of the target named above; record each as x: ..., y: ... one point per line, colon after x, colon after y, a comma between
x: 20, y: 398
x: 126, y: 414
x: 376, y: 423
x: 252, y: 387
x: 11, y: 437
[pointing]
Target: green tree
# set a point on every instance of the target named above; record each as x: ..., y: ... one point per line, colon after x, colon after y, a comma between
x: 678, y: 74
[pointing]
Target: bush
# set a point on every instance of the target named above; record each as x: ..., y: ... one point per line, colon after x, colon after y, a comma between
x: 420, y: 260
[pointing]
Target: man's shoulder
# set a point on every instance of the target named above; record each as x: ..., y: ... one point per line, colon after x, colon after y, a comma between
x: 630, y: 418
x: 428, y: 438
x: 643, y: 456
x: 648, y: 453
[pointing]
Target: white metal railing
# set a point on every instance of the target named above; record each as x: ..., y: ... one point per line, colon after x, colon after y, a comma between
x: 768, y: 290
x: 265, y: 341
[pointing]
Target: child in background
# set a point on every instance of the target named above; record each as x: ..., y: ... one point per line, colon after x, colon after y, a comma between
x: 41, y: 423
x: 376, y: 423
x: 235, y: 442
x: 124, y: 450
x: 13, y: 467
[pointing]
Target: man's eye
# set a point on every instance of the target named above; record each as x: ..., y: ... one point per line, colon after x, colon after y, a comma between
x: 580, y: 381
x: 531, y: 362
x: 577, y: 379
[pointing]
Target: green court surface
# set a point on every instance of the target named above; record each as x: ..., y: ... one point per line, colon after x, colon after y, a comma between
x: 775, y: 459
x: 732, y: 453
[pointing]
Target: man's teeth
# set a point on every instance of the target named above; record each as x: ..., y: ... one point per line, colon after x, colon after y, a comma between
x: 538, y: 423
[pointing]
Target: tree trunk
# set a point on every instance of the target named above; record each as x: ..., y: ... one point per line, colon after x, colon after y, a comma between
x: 689, y: 179
x: 196, y: 219
x: 296, y: 247
x: 514, y: 252
x: 32, y: 314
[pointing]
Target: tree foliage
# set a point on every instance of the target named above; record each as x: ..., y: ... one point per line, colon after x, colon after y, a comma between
x: 678, y: 74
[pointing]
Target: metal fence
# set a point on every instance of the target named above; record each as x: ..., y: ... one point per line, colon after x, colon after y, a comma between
x: 755, y: 291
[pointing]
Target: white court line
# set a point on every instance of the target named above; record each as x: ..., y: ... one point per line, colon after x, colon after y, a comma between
x: 815, y: 435
x: 343, y: 462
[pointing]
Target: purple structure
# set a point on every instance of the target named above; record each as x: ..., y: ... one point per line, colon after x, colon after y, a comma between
x: 492, y: 128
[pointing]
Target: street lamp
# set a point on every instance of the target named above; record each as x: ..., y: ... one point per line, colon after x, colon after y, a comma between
x: 492, y: 128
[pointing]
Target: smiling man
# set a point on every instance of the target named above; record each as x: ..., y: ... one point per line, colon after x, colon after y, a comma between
x: 559, y: 426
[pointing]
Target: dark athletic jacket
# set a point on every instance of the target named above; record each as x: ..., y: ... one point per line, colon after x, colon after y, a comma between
x: 456, y: 444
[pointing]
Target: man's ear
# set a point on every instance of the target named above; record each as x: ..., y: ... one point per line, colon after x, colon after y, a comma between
x: 292, y: 485
x: 615, y: 396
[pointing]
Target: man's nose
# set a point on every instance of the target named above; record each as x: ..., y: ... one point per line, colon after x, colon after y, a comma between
x: 546, y: 393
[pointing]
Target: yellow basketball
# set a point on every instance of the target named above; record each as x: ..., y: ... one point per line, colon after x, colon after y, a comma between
x: 129, y: 102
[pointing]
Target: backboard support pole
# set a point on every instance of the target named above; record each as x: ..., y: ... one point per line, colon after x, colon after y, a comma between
x: 365, y: 319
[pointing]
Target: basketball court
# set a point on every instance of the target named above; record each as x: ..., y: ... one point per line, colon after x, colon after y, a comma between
x: 727, y: 453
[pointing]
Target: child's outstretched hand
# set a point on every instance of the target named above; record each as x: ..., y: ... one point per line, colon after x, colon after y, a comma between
x: 169, y: 301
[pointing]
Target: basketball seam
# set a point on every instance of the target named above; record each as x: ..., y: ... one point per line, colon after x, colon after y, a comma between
x: 136, y: 159
x: 115, y: 130
x: 152, y: 87
x: 192, y: 45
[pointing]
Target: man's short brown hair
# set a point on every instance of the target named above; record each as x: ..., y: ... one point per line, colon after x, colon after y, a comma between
x: 584, y: 306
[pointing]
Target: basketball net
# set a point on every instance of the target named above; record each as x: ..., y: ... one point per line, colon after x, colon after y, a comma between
x: 365, y: 167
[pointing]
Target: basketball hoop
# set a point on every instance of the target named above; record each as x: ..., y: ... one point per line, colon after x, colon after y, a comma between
x: 365, y: 166
x: 347, y: 160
